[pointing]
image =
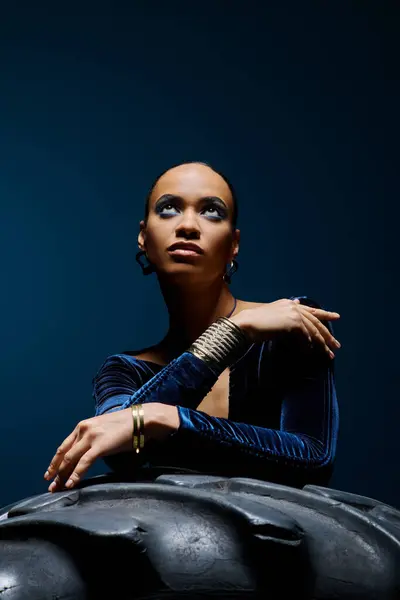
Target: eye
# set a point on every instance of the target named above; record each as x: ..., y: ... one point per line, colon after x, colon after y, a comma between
x: 214, y: 211
x: 170, y: 206
x: 217, y: 212
x: 161, y: 209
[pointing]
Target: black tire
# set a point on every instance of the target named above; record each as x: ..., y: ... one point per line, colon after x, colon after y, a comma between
x: 172, y: 535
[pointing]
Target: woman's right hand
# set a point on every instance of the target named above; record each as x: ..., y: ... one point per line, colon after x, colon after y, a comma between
x: 266, y: 320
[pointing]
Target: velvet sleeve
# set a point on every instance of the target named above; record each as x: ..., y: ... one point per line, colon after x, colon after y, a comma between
x: 119, y: 383
x: 303, y: 449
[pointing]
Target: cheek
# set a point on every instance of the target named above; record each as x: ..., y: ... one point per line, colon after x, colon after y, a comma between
x: 221, y: 240
x: 157, y: 236
x: 219, y: 248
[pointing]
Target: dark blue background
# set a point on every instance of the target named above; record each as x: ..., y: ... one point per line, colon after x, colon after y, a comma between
x: 295, y: 102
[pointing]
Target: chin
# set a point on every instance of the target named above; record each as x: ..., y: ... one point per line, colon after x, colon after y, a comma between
x: 186, y: 273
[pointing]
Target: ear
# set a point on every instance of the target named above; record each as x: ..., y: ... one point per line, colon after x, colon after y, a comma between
x: 142, y: 236
x: 235, y: 243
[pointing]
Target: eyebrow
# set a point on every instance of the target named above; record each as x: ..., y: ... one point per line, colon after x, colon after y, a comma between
x: 202, y: 200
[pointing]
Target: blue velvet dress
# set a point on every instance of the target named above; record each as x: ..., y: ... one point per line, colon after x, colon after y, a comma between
x: 283, y: 418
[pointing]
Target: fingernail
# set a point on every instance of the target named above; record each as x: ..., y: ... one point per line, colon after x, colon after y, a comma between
x: 52, y: 486
x: 338, y: 344
x: 46, y: 475
x: 69, y: 483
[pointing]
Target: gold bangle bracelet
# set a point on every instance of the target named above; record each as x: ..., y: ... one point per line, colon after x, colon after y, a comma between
x: 138, y: 427
x: 141, y: 428
x: 134, y: 415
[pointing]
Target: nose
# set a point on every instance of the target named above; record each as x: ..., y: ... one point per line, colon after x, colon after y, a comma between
x: 188, y: 225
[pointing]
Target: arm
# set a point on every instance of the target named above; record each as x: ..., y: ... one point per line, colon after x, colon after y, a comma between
x: 119, y: 384
x: 185, y: 381
x: 301, y: 451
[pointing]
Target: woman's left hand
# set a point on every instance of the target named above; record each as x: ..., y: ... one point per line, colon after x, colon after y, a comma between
x: 104, y: 435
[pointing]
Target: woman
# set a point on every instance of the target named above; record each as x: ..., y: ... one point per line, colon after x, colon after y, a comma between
x: 235, y: 387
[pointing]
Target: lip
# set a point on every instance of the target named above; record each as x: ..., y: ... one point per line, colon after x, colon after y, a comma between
x: 187, y: 246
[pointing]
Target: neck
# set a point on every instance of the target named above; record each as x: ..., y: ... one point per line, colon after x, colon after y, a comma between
x: 191, y: 310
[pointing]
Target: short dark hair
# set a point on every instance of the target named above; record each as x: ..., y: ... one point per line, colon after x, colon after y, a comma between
x: 196, y: 162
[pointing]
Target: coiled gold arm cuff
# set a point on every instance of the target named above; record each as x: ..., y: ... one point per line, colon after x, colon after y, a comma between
x: 220, y: 344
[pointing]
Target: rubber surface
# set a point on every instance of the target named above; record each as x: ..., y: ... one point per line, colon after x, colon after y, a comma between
x: 189, y: 536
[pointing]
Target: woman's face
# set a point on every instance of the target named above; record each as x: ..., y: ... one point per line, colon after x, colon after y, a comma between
x: 190, y: 203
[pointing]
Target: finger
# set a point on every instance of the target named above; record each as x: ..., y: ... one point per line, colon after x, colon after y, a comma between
x: 59, y: 455
x: 304, y: 328
x: 308, y: 328
x: 328, y: 337
x: 72, y: 457
x: 316, y: 334
x: 55, y: 485
x: 83, y: 465
x: 321, y: 313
